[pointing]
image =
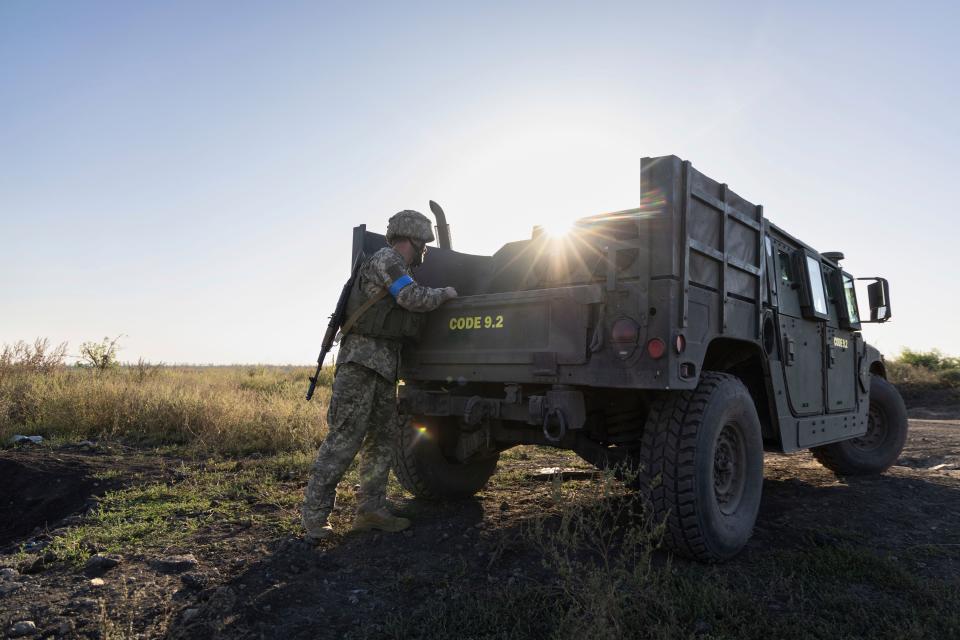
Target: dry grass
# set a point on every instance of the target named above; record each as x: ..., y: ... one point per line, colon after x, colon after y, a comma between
x: 227, y: 410
x: 902, y: 373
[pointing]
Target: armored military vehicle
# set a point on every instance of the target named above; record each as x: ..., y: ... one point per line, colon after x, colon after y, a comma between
x: 680, y: 339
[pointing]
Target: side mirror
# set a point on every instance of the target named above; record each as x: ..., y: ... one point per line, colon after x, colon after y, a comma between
x: 878, y: 293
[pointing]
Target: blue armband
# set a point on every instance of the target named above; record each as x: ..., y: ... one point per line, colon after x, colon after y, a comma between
x: 399, y: 284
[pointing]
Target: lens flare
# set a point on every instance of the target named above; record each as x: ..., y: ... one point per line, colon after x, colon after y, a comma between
x: 557, y: 228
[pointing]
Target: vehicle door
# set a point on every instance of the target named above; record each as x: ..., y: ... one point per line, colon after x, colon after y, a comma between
x: 842, y: 338
x: 802, y: 324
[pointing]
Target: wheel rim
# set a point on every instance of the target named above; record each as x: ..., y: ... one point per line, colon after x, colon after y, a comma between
x: 729, y: 469
x: 877, y: 428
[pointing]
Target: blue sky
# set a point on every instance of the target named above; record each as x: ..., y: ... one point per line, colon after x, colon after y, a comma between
x: 187, y: 173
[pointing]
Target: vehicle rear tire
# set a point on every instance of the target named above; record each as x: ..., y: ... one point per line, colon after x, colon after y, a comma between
x: 423, y: 469
x: 702, y: 467
x: 875, y: 451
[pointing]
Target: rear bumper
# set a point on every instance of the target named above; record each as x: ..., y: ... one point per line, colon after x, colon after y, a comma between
x: 560, y: 408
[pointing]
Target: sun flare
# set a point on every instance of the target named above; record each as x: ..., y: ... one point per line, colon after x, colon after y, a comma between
x: 558, y: 228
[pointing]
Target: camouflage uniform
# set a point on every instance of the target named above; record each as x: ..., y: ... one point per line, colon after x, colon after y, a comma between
x: 362, y: 413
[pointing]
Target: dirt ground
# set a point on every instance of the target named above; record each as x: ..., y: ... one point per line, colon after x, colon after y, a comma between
x: 245, y: 580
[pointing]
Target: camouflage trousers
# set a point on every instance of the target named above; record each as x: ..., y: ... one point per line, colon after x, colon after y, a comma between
x: 362, y: 417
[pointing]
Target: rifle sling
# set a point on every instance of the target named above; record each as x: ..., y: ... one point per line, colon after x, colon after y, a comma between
x: 352, y: 320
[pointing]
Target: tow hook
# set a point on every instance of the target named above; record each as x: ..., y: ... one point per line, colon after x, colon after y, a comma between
x: 560, y: 409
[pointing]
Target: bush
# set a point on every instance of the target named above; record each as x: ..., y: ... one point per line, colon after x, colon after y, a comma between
x: 902, y: 373
x: 99, y: 355
x: 950, y: 377
x: 933, y: 360
x: 930, y: 369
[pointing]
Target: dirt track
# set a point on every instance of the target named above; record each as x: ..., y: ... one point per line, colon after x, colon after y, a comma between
x: 255, y: 583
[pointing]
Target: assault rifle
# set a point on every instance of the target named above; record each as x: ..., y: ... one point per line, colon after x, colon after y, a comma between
x: 336, y: 321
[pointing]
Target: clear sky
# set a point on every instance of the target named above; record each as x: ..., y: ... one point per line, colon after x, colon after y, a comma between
x: 187, y: 173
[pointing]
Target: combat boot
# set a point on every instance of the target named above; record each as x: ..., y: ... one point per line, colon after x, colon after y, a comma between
x: 316, y: 529
x: 380, y: 519
x: 314, y: 535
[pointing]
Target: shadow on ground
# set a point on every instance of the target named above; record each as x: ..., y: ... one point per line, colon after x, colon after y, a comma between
x: 295, y: 591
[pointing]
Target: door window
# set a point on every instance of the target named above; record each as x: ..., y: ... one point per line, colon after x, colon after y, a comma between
x: 850, y: 296
x: 786, y: 269
x: 817, y: 294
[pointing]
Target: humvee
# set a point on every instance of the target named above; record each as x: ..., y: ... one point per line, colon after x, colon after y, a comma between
x: 680, y: 339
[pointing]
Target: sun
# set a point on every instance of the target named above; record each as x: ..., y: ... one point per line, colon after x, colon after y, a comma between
x: 557, y: 228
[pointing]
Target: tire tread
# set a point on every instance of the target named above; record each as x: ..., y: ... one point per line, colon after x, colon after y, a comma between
x: 667, y: 471
x: 405, y: 467
x: 411, y: 466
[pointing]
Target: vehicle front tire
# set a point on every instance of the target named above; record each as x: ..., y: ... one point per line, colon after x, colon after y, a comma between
x: 875, y: 451
x: 422, y: 468
x: 702, y: 467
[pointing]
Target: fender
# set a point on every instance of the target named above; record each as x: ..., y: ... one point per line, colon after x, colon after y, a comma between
x: 871, y: 362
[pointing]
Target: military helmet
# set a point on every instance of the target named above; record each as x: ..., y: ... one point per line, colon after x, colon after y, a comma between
x: 410, y: 224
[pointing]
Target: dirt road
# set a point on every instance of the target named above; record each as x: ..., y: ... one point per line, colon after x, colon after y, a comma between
x: 889, y: 544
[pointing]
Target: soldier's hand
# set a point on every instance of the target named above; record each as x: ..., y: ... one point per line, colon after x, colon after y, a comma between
x: 449, y: 293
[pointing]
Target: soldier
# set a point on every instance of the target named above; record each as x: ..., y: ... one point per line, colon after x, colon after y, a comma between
x: 385, y: 306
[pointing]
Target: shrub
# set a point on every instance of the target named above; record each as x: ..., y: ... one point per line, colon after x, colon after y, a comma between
x: 929, y: 369
x: 950, y: 377
x: 933, y: 360
x: 99, y: 355
x: 902, y: 373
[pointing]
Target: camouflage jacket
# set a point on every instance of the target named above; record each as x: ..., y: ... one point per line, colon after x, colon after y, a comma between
x: 383, y: 270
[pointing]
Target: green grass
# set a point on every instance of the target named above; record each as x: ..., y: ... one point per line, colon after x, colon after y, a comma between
x: 154, y: 515
x: 215, y: 495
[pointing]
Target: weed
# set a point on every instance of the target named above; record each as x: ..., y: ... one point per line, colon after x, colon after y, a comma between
x: 222, y: 410
x: 119, y: 621
x: 589, y: 567
x: 39, y: 357
x: 596, y: 574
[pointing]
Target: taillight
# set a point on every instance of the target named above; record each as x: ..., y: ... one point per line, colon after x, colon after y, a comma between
x: 625, y: 330
x: 624, y: 335
x: 656, y: 348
